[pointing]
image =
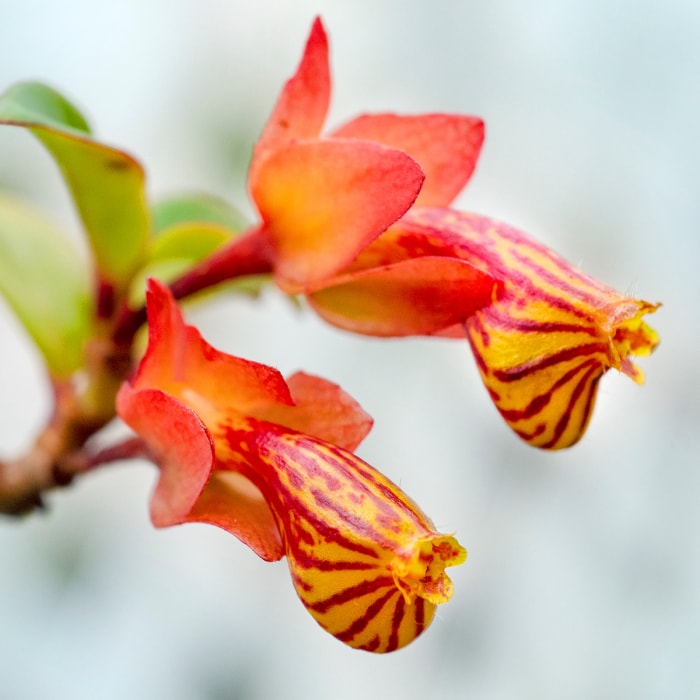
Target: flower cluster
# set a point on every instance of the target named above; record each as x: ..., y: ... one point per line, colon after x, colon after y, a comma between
x: 346, y: 221
x: 357, y: 220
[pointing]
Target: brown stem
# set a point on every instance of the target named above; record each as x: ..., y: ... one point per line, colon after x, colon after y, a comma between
x: 84, y: 406
x: 58, y: 454
x: 47, y: 464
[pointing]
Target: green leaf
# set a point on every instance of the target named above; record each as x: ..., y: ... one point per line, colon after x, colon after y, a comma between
x: 36, y: 103
x: 107, y: 184
x: 187, y: 228
x: 176, y: 249
x: 46, y: 283
x: 189, y: 208
x: 192, y: 242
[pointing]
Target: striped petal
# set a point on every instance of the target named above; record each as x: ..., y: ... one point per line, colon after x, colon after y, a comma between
x: 365, y: 561
x: 551, y: 332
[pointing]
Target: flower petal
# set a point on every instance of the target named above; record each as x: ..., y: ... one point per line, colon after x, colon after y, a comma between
x: 302, y: 106
x: 188, y: 490
x: 551, y: 332
x: 322, y: 202
x: 180, y: 443
x: 232, y: 502
x: 365, y: 561
x: 414, y: 297
x: 322, y: 409
x: 446, y: 146
x: 179, y: 360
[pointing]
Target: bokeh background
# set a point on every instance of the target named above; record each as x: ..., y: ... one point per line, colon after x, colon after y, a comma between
x: 583, y: 578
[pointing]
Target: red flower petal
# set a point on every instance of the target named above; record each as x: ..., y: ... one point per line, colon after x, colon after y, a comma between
x: 232, y: 502
x: 302, y: 106
x: 413, y: 297
x: 178, y: 438
x: 188, y: 490
x: 178, y: 357
x: 324, y: 201
x: 321, y: 409
x: 446, y: 146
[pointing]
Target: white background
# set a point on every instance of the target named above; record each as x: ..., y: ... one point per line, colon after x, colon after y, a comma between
x: 583, y: 576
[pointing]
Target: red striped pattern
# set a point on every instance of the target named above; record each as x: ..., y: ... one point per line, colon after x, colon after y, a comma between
x: 365, y: 561
x: 551, y: 331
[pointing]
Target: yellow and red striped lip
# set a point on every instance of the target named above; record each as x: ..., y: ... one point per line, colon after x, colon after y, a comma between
x: 542, y: 332
x: 550, y: 332
x: 365, y: 560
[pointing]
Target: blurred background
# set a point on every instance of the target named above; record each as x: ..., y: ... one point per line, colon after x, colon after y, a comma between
x: 583, y: 577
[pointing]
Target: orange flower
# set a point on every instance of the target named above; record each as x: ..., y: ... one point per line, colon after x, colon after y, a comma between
x: 543, y: 333
x: 270, y: 461
x: 323, y: 199
x: 545, y: 340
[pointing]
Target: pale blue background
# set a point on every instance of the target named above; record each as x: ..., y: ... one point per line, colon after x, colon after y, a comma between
x: 583, y: 576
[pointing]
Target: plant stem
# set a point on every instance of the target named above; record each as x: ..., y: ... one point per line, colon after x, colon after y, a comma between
x: 84, y: 404
x: 81, y: 408
x: 249, y: 254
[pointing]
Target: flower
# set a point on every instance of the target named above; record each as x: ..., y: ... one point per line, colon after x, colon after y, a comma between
x: 543, y: 342
x: 542, y: 332
x: 324, y: 199
x: 271, y: 462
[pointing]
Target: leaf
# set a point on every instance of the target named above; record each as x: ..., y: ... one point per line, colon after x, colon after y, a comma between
x: 46, y: 283
x: 36, y: 103
x: 196, y: 208
x: 174, y: 251
x: 192, y: 241
x: 187, y: 229
x: 178, y: 248
x: 107, y: 184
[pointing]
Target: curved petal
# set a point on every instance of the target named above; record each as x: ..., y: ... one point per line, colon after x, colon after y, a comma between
x: 302, y: 106
x: 188, y: 490
x: 551, y: 332
x: 233, y: 503
x: 414, y: 297
x: 180, y: 444
x: 365, y: 561
x: 322, y: 202
x: 447, y: 147
x: 322, y: 409
x: 180, y: 361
